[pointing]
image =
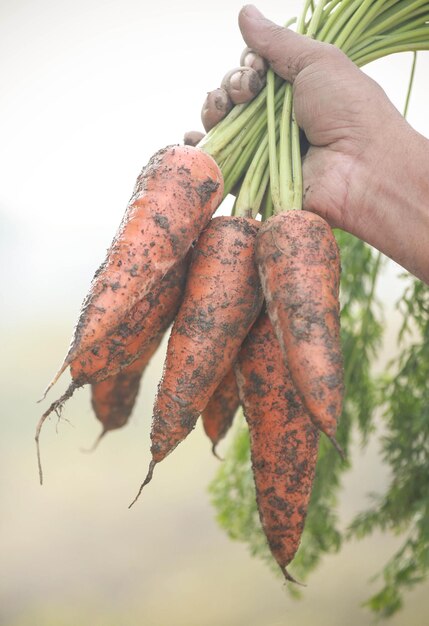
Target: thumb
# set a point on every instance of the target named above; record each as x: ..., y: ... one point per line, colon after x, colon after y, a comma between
x: 286, y: 51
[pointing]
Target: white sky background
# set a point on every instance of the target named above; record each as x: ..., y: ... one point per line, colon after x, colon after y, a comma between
x: 89, y: 89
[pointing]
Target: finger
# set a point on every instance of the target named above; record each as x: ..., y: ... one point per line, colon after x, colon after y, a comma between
x: 287, y: 52
x: 192, y: 137
x: 216, y: 106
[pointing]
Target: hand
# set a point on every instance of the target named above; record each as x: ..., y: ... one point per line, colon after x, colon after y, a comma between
x: 367, y: 170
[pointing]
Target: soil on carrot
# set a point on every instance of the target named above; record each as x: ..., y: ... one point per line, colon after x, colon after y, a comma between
x: 222, y: 299
x: 284, y: 441
x: 299, y: 266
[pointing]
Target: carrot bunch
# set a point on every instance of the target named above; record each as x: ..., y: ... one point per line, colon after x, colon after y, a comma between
x: 210, y: 276
x: 254, y: 306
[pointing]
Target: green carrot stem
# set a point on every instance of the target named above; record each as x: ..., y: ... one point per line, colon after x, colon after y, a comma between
x: 410, y: 84
x: 333, y: 27
x: 231, y: 156
x: 250, y: 198
x: 243, y: 136
x: 353, y: 23
x: 331, y: 7
x: 272, y: 147
x: 315, y: 19
x: 363, y: 59
x: 257, y: 166
x: 290, y: 22
x: 394, y: 15
x: 227, y: 129
x: 300, y: 26
x: 241, y: 160
x: 408, y: 29
x: 269, y: 207
x: 417, y: 20
x: 382, y: 10
x: 249, y: 129
x: 285, y: 152
x: 256, y: 201
x: 290, y: 172
x: 362, y: 24
x: 250, y: 185
x: 296, y: 165
x: 286, y: 177
x: 420, y: 35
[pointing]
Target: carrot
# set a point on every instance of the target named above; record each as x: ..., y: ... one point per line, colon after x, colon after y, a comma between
x: 146, y: 320
x: 221, y: 301
x: 299, y: 266
x: 133, y: 337
x: 174, y: 198
x: 283, y: 441
x: 113, y: 399
x: 220, y: 410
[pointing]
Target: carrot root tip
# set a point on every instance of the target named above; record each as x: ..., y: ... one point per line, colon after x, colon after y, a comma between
x: 145, y: 482
x: 290, y: 578
x: 214, y: 452
x: 57, y: 407
x: 338, y: 448
x: 63, y: 367
x: 96, y: 442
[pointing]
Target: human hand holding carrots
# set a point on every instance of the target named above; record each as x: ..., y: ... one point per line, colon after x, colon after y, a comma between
x: 366, y: 170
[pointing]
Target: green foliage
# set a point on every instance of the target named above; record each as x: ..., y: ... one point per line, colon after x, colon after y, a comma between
x: 404, y: 508
x: 402, y: 396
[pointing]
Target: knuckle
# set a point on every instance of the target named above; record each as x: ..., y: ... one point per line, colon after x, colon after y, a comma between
x: 333, y: 55
x: 288, y: 55
x: 333, y: 51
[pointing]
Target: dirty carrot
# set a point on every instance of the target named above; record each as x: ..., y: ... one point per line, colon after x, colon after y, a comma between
x: 151, y: 316
x: 147, y: 322
x: 220, y: 410
x: 222, y: 300
x: 174, y: 197
x: 299, y: 267
x: 283, y: 441
x: 113, y: 399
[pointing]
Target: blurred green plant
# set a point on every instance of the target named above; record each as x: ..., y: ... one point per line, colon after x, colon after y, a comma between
x: 399, y: 397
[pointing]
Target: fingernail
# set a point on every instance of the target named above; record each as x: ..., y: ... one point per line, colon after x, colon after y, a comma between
x: 251, y: 11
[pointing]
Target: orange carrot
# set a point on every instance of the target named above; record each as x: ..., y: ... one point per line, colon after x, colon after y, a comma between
x: 148, y: 318
x: 113, y: 399
x: 174, y: 198
x: 299, y: 266
x: 221, y: 301
x: 133, y: 337
x: 283, y: 440
x: 220, y: 410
